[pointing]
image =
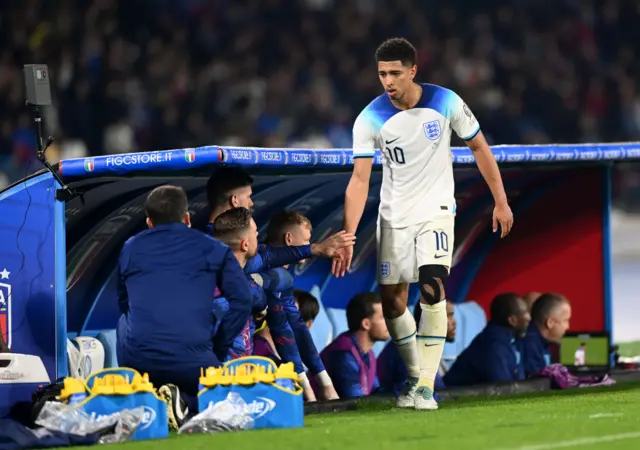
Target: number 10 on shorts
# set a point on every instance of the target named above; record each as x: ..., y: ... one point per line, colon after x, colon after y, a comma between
x: 442, y: 241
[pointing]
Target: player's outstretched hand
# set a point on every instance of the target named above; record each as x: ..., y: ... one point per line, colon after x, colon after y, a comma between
x: 331, y: 245
x: 342, y: 261
x: 502, y: 215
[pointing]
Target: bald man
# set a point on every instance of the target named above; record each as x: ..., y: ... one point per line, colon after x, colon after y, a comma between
x: 550, y: 317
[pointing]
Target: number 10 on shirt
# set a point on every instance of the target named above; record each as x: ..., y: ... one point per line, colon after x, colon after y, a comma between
x: 396, y: 155
x: 442, y: 241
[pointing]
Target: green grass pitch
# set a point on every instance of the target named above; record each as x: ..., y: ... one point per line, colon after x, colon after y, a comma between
x: 592, y: 418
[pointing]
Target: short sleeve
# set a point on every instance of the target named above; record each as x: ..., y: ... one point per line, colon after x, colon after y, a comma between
x: 463, y: 122
x: 363, y: 137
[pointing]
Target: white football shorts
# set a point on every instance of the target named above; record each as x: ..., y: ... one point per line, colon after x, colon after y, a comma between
x: 401, y: 251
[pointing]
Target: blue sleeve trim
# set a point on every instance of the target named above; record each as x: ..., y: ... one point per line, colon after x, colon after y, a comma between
x: 472, y: 135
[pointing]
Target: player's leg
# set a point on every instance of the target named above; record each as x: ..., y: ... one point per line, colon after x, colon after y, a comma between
x: 434, y: 248
x: 396, y: 256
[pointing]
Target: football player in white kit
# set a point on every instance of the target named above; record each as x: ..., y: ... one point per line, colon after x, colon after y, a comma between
x: 411, y: 123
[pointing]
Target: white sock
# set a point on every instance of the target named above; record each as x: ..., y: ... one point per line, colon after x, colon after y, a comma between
x: 403, y: 333
x: 432, y: 332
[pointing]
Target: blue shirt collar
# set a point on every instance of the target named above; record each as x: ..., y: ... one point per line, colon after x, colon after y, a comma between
x: 170, y: 226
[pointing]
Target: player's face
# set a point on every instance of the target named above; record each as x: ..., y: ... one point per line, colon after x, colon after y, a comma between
x: 522, y: 318
x: 378, y: 327
x: 559, y: 322
x: 241, y: 197
x: 298, y: 235
x: 451, y: 323
x: 396, y: 78
x: 252, y: 239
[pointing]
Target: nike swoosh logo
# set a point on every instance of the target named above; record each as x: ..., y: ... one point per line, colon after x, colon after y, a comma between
x: 439, y: 256
x: 391, y: 142
x: 430, y: 345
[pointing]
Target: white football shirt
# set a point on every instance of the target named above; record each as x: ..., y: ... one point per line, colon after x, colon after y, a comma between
x: 417, y: 176
x: 579, y: 357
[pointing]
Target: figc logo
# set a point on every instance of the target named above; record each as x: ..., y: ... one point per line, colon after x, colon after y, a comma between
x: 189, y: 156
x: 89, y: 164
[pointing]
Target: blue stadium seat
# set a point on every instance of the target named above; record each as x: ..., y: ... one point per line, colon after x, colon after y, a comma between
x: 322, y: 329
x: 471, y: 321
x: 108, y: 340
x: 379, y: 346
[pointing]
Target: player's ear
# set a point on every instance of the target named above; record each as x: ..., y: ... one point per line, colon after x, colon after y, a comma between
x: 187, y: 219
x: 548, y: 322
x: 365, y: 324
x: 149, y: 223
x: 233, y: 201
x: 413, y: 71
x: 244, y: 245
x: 287, y: 238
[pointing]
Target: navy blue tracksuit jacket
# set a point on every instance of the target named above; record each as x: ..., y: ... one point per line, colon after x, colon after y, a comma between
x: 493, y: 356
x: 535, y: 351
x: 168, y: 277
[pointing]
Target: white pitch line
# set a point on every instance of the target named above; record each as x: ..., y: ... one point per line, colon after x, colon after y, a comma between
x: 583, y: 441
x: 604, y: 415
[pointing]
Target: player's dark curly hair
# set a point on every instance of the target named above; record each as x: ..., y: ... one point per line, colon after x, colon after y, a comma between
x: 307, y: 305
x: 166, y: 204
x: 361, y: 307
x: 229, y: 225
x: 223, y: 181
x: 397, y: 49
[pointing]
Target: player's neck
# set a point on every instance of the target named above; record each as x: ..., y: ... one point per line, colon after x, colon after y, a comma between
x: 410, y: 99
x: 364, y: 341
x: 241, y: 257
x: 544, y: 333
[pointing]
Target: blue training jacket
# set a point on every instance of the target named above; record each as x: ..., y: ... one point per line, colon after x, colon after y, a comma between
x: 291, y: 336
x: 535, y: 351
x: 493, y: 356
x: 167, y: 280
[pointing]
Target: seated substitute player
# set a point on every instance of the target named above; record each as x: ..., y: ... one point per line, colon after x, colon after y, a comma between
x: 550, y: 318
x: 495, y: 354
x: 230, y: 187
x: 309, y: 308
x: 349, y: 358
x: 165, y: 292
x: 291, y: 335
x: 411, y: 123
x: 237, y: 228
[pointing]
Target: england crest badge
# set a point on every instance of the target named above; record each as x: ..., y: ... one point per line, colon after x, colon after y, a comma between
x: 432, y: 130
x: 385, y: 269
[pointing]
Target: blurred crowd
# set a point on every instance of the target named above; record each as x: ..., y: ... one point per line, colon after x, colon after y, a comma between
x: 136, y: 75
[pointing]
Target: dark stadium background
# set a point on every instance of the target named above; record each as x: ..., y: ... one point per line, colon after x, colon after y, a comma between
x: 137, y: 75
